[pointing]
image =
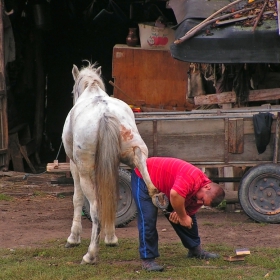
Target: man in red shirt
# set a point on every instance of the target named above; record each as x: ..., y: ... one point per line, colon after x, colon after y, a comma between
x: 187, y: 189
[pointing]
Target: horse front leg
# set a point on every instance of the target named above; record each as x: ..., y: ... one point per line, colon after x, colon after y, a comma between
x: 74, y: 238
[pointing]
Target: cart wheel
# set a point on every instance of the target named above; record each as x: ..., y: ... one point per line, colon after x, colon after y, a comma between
x: 126, y: 211
x: 259, y: 193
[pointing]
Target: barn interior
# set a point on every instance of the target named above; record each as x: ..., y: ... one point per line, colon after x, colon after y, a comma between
x: 43, y: 39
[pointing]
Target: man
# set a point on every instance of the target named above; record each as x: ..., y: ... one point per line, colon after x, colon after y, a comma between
x: 187, y: 188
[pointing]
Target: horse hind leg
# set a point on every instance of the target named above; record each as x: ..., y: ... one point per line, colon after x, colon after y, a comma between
x: 110, y: 236
x: 89, y: 190
x: 74, y: 238
x: 140, y: 163
x: 159, y: 199
x: 91, y: 256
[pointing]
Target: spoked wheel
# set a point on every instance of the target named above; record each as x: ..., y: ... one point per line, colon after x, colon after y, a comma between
x: 259, y: 193
x: 126, y: 211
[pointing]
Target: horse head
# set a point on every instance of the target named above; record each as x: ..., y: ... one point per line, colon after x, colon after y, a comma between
x: 88, y: 76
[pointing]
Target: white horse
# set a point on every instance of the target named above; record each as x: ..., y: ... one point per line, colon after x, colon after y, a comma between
x: 98, y: 134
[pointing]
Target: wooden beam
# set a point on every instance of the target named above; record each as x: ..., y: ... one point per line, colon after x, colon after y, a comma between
x: 230, y: 97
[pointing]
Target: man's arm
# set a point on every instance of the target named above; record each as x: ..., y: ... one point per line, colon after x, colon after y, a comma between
x: 178, y: 204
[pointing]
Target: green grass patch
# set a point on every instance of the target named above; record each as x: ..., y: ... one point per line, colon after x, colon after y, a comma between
x: 5, y: 197
x: 39, y: 193
x: 53, y: 262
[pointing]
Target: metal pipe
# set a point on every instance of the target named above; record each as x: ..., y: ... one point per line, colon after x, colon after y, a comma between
x: 225, y: 179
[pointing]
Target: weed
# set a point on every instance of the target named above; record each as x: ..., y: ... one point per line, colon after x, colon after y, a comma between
x: 5, y: 197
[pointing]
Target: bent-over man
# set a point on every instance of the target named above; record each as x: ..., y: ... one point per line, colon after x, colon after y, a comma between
x: 187, y: 189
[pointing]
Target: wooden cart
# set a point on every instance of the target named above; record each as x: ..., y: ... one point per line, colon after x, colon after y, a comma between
x: 222, y: 138
x: 215, y: 138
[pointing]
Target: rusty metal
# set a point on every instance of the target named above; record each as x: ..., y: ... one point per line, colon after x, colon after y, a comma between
x: 264, y: 194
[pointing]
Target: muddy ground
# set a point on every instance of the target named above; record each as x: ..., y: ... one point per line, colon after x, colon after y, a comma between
x: 41, y: 210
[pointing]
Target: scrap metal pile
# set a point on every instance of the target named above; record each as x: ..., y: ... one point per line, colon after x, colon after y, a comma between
x: 250, y: 14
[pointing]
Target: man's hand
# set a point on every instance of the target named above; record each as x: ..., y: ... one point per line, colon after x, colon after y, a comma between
x: 178, y: 204
x: 187, y: 222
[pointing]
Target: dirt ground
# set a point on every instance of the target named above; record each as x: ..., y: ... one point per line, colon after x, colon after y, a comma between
x: 41, y: 211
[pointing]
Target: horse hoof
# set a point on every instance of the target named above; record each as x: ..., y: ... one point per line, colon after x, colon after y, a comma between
x: 160, y: 200
x: 83, y: 262
x: 70, y: 245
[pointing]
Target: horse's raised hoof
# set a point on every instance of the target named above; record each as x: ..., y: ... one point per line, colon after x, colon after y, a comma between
x: 160, y: 200
x: 70, y: 245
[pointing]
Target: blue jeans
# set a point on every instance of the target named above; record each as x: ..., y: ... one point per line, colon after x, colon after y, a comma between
x: 147, y: 218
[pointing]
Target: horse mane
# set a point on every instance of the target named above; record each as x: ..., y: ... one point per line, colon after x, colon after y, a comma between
x: 89, y: 76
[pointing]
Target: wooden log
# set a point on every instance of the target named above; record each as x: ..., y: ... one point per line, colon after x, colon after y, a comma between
x: 58, y: 166
x: 230, y: 97
x: 231, y: 197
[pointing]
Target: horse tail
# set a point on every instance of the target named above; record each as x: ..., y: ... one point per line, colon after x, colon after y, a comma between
x: 107, y: 159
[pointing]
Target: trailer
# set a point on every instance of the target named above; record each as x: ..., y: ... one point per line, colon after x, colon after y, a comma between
x: 223, y: 138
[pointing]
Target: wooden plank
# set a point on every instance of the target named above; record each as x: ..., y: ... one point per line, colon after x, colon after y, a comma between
x: 236, y: 139
x: 15, y: 153
x: 234, y: 258
x: 230, y: 97
x: 250, y: 152
x: 278, y: 12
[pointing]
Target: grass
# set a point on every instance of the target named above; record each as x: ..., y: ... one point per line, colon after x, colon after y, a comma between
x: 53, y: 262
x: 5, y: 197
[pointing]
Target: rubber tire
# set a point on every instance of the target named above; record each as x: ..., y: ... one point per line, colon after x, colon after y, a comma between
x: 125, y: 214
x: 271, y: 170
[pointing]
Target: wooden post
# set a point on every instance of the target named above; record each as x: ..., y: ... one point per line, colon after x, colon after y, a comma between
x: 4, y: 159
x: 40, y: 90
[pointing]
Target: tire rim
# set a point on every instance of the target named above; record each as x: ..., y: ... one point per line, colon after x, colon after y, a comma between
x: 264, y: 194
x: 125, y: 198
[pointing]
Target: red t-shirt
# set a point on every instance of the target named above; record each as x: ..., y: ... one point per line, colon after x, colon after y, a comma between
x: 172, y: 173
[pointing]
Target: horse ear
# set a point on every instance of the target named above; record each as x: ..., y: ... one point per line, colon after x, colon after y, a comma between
x: 98, y: 70
x: 75, y: 72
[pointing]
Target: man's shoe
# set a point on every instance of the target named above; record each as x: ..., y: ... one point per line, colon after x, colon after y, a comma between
x: 198, y: 253
x: 151, y: 265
